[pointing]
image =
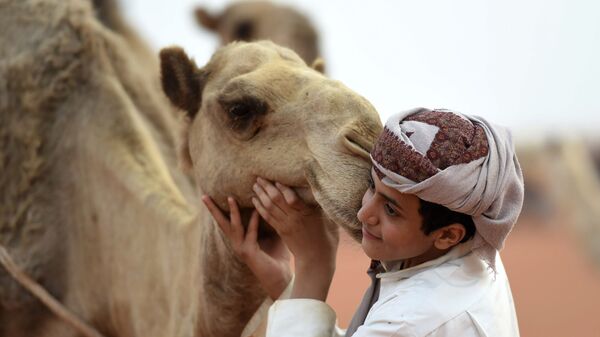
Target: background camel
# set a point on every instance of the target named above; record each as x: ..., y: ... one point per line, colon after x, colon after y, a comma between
x: 263, y: 20
x: 93, y: 206
x: 563, y: 180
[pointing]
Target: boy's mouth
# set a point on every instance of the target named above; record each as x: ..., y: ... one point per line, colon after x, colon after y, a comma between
x: 369, y: 235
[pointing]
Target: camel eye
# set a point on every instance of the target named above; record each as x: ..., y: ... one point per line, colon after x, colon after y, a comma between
x: 244, y: 115
x: 244, y: 31
x: 245, y: 108
x: 239, y: 110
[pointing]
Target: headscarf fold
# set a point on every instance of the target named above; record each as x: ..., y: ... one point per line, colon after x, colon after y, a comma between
x: 461, y: 162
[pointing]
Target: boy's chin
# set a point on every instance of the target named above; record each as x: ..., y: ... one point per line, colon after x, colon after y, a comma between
x: 371, y: 252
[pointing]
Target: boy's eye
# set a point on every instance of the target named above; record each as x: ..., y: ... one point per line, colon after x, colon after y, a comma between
x: 389, y: 210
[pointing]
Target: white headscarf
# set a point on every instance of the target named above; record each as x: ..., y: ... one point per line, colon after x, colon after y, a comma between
x: 461, y: 162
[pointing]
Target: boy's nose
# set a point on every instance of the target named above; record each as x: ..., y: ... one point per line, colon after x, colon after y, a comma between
x: 366, y: 214
x: 372, y: 221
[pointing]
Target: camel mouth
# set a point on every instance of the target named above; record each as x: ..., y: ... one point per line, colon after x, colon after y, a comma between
x: 338, y: 205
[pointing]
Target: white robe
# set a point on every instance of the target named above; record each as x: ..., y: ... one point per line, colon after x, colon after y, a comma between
x: 454, y: 295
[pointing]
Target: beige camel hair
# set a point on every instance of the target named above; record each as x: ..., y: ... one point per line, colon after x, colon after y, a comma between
x: 264, y: 20
x: 93, y: 206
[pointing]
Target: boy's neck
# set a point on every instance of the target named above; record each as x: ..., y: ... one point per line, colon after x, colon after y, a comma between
x: 396, y: 265
x: 431, y: 254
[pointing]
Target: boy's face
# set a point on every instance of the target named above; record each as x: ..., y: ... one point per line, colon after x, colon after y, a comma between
x: 392, y: 226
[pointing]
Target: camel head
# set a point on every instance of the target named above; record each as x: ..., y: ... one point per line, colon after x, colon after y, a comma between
x: 263, y: 20
x: 256, y: 109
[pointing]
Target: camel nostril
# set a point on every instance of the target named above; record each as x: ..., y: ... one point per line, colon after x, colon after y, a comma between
x: 357, y: 145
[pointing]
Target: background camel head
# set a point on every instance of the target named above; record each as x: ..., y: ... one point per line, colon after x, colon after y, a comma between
x: 262, y: 20
x: 256, y: 109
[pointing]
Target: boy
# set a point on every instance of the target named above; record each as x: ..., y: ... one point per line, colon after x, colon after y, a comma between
x: 446, y: 190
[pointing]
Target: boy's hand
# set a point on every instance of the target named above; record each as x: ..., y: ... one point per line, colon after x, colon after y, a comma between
x: 270, y: 264
x: 312, y: 239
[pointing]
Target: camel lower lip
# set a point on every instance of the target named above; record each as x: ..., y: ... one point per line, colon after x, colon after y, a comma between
x: 370, y: 236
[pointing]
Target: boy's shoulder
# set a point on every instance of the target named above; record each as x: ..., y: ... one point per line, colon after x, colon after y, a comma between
x: 459, y: 289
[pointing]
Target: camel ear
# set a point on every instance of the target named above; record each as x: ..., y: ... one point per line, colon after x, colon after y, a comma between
x: 318, y: 65
x: 181, y: 80
x: 207, y: 20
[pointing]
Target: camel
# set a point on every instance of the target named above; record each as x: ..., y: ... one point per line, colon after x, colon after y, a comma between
x: 563, y: 172
x: 94, y: 207
x: 263, y: 20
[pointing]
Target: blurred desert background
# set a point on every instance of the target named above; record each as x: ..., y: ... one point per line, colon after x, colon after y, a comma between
x: 532, y: 66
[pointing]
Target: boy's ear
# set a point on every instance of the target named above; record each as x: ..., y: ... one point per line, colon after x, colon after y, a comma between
x: 181, y: 80
x: 207, y: 20
x: 449, y: 236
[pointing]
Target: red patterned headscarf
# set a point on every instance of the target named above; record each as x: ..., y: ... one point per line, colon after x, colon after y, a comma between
x: 458, y: 161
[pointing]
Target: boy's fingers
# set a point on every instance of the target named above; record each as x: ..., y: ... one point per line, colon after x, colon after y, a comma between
x: 236, y: 221
x: 234, y: 211
x: 290, y: 196
x: 264, y: 213
x: 272, y: 191
x: 249, y: 244
x: 252, y: 233
x: 261, y: 210
x: 268, y: 205
x: 217, y: 214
